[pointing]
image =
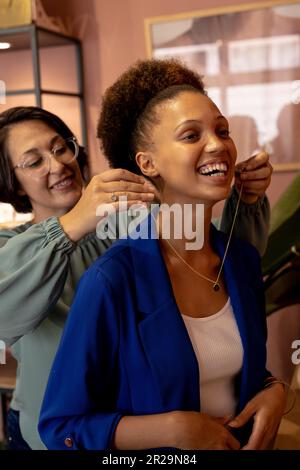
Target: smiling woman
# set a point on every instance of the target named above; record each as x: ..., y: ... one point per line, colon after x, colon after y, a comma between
x: 162, y: 359
x: 190, y: 149
x: 58, y: 181
x: 18, y: 143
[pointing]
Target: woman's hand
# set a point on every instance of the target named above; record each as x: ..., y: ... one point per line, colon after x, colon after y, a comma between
x: 255, y: 173
x: 82, y: 218
x: 195, y: 431
x: 267, y: 408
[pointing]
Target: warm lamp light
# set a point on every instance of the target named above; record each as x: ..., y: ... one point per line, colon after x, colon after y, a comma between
x: 5, y: 45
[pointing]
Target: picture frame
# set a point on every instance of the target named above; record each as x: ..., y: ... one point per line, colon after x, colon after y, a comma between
x: 249, y: 57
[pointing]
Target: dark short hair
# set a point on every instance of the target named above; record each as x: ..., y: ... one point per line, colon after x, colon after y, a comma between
x: 129, y: 106
x: 8, y: 182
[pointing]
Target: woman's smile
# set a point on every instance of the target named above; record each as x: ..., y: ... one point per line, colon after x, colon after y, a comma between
x: 193, y: 154
x: 63, y: 184
x: 215, y: 172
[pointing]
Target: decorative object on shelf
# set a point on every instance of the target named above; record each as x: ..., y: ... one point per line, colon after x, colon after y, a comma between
x: 16, y: 12
x: 23, y: 12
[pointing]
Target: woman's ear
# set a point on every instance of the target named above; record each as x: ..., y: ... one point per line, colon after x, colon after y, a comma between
x: 146, y: 163
x: 20, y: 191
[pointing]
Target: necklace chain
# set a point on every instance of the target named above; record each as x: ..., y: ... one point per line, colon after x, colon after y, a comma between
x: 216, y: 283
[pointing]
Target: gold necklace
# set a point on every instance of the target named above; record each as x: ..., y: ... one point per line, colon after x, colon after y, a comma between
x: 216, y: 283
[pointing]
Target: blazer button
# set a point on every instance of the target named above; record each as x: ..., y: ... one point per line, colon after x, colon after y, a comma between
x: 68, y: 442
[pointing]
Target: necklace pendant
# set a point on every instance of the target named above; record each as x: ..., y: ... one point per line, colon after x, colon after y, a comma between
x: 216, y: 287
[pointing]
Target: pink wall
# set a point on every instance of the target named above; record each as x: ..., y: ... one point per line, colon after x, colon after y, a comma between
x: 113, y: 39
x: 57, y: 65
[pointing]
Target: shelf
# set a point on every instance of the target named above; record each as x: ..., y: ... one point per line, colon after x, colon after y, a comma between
x: 20, y: 38
x: 47, y: 65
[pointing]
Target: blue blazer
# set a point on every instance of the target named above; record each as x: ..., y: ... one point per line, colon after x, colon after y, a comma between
x: 125, y: 349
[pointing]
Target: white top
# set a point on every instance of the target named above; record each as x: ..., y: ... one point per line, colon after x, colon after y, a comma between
x: 218, y: 349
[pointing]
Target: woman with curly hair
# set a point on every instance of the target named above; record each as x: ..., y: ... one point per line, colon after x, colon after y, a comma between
x: 171, y: 343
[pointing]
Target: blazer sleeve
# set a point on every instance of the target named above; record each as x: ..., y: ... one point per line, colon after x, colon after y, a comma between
x: 78, y: 410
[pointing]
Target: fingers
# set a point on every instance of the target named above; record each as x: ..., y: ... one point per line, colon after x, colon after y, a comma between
x: 223, y: 419
x: 263, y: 433
x: 254, y: 162
x: 120, y: 174
x: 123, y: 186
x: 260, y: 435
x: 257, y: 436
x: 243, y: 417
x: 121, y: 206
x: 131, y: 197
x: 130, y: 186
x: 131, y: 191
x: 257, y: 174
x: 128, y: 194
x: 252, y: 187
x: 233, y: 443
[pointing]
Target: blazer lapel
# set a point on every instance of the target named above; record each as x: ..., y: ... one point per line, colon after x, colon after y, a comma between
x: 162, y: 330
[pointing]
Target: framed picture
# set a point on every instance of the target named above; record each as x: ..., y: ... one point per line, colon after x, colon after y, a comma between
x: 249, y: 57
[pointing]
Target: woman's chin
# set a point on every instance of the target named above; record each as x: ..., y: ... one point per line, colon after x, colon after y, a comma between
x: 214, y: 196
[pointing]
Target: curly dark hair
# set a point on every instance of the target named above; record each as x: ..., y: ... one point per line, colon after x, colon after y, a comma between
x: 129, y: 107
x: 8, y: 182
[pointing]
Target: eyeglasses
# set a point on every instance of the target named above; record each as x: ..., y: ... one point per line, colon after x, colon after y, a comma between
x: 37, y: 164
